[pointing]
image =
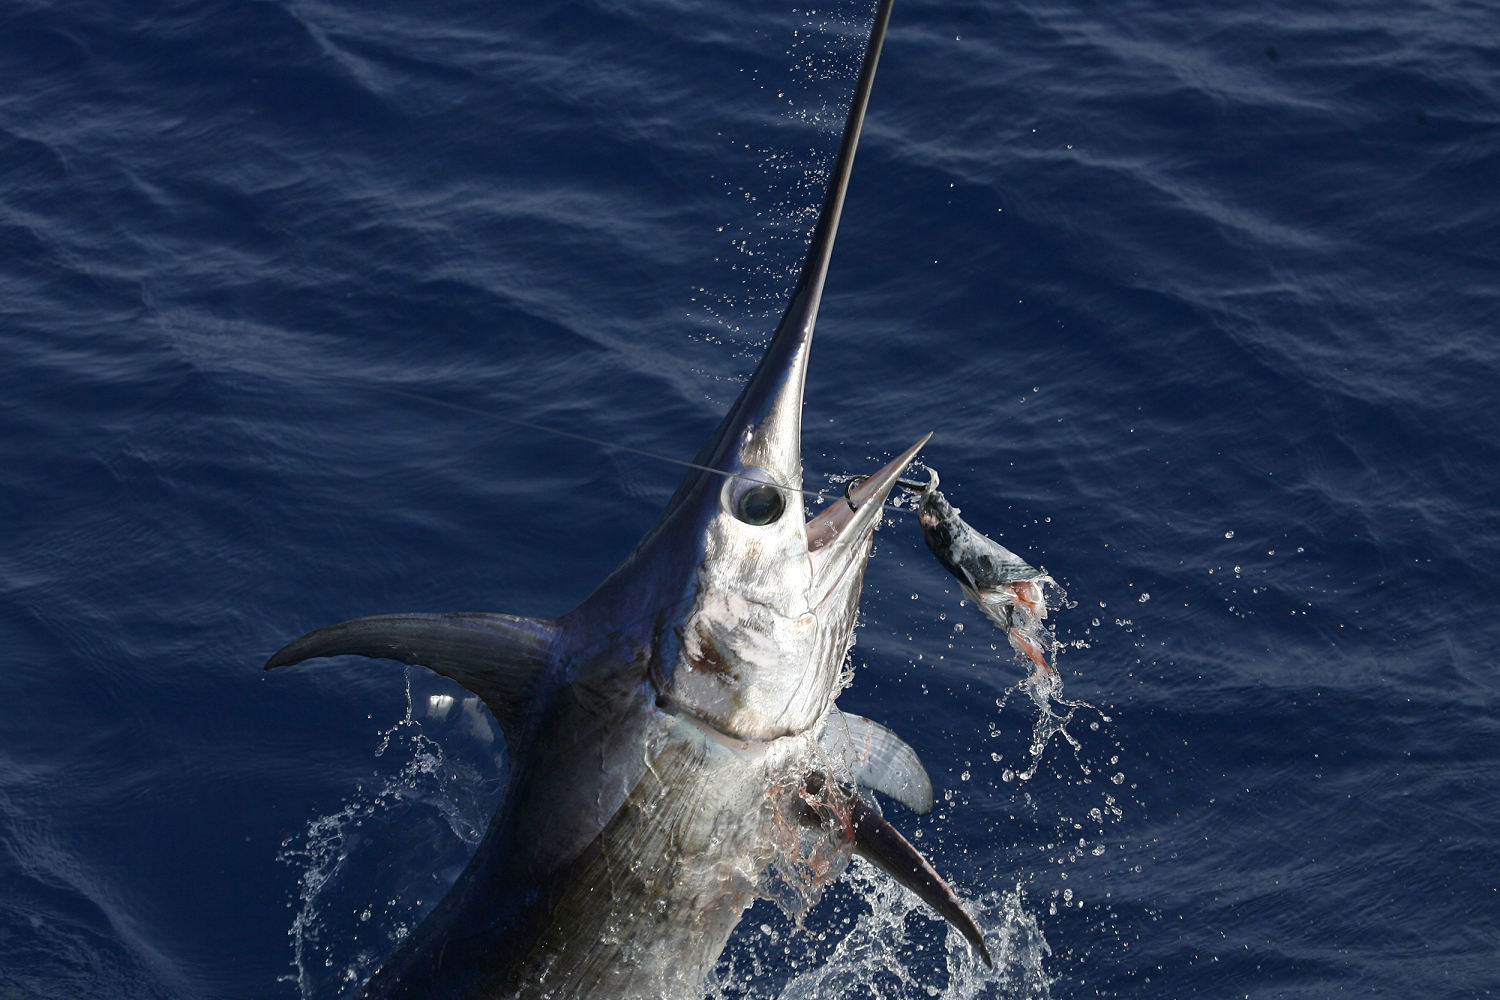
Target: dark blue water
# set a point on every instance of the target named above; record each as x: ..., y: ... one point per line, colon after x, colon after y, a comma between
x: 1202, y: 305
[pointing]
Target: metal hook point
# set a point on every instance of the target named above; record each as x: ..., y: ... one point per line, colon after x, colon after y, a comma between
x: 849, y: 489
x: 910, y: 485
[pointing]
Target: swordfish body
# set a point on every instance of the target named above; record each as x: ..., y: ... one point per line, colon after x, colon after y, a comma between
x: 674, y: 746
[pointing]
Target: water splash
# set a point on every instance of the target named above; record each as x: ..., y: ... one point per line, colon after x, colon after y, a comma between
x: 873, y: 940
x: 425, y: 815
x: 805, y: 857
x: 1054, y: 713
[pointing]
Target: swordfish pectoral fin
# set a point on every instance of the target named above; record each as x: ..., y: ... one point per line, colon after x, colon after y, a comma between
x: 879, y: 759
x: 882, y: 844
x: 500, y: 658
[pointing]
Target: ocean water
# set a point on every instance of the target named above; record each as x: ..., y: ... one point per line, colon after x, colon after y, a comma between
x: 1202, y: 305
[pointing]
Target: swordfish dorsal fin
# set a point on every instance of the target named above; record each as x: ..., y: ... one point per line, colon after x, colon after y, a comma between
x: 501, y: 658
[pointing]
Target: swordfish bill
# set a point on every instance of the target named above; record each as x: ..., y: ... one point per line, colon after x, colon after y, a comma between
x: 674, y: 746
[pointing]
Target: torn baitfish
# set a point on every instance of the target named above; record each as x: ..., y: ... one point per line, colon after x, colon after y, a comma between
x: 1010, y: 592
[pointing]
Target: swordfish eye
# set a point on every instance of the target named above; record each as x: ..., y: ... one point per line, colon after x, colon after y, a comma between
x: 753, y: 497
x: 759, y: 504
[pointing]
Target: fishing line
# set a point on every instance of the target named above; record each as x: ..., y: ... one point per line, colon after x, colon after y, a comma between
x: 576, y: 436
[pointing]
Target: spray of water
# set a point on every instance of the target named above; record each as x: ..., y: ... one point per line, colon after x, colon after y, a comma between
x: 427, y: 805
x: 874, y: 940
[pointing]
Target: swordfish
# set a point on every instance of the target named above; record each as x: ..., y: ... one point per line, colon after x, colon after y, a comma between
x: 674, y: 746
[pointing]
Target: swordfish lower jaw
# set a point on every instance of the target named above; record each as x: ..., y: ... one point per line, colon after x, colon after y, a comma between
x: 759, y: 651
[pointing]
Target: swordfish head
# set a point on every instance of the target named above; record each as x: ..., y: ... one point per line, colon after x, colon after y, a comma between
x: 759, y: 616
x: 750, y: 604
